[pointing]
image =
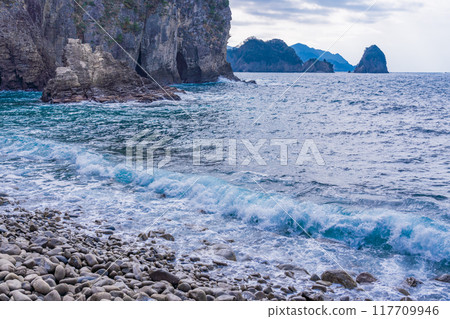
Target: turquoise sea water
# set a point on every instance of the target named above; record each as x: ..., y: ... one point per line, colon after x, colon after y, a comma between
x: 380, y: 203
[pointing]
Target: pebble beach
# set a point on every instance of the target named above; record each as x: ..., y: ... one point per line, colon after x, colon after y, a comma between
x: 47, y: 255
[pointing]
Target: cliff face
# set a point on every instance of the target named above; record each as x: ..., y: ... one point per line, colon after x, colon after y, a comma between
x: 174, y: 40
x: 25, y: 62
x: 96, y: 75
x: 264, y: 56
x: 373, y: 61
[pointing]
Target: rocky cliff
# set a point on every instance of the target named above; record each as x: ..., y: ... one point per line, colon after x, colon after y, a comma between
x: 174, y: 40
x: 25, y: 61
x: 97, y: 76
x: 264, y: 56
x: 373, y: 61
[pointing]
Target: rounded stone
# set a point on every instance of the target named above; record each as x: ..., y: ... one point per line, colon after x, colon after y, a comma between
x: 60, y: 273
x: 159, y: 297
x: 18, y: 296
x: 185, y: 287
x: 75, y: 261
x: 62, y: 289
x: 197, y: 294
x: 41, y: 286
x: 365, y: 277
x: 91, y: 260
x: 52, y: 296
x: 4, y: 289
x: 4, y: 297
x: 260, y: 295
x: 403, y: 291
x: 172, y: 297
x: 12, y: 276
x: 100, y: 296
x: 159, y: 275
x: 14, y: 284
x: 339, y: 277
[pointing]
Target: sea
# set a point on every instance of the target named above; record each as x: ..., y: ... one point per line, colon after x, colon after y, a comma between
x: 318, y: 171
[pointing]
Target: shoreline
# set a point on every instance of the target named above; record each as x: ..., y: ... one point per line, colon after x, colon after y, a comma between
x: 47, y: 255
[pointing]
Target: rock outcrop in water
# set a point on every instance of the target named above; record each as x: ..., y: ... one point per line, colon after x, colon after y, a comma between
x: 175, y: 40
x: 373, y: 61
x: 97, y: 76
x: 264, y: 56
x: 317, y: 66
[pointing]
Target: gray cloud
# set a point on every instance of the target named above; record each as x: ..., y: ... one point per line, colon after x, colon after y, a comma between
x: 292, y: 10
x: 279, y: 10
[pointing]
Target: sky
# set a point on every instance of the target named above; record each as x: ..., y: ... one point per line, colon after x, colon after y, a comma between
x: 413, y: 34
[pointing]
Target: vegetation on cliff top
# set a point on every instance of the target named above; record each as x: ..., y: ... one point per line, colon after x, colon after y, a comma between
x: 256, y: 55
x: 264, y: 56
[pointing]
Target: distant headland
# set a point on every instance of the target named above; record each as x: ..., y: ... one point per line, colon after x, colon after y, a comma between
x: 256, y: 55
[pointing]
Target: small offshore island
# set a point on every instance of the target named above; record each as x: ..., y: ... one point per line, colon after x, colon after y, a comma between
x: 272, y: 56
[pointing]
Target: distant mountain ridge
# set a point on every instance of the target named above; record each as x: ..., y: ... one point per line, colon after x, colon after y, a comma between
x: 305, y: 53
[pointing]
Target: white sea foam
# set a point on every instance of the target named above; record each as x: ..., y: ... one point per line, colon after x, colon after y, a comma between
x: 378, y: 228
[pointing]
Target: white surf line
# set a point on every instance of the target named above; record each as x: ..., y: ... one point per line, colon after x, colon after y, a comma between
x: 134, y: 60
x: 304, y: 230
x: 301, y: 75
x: 131, y: 246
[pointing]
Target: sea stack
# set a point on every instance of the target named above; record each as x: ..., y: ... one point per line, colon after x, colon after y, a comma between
x: 373, y: 61
x: 97, y: 76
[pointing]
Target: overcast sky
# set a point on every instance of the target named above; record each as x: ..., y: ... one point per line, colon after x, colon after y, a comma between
x: 414, y: 34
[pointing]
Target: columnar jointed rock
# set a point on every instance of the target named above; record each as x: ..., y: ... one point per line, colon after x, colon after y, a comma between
x: 373, y: 61
x: 97, y: 76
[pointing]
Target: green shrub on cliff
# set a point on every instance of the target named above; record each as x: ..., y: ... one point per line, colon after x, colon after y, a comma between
x: 264, y: 56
